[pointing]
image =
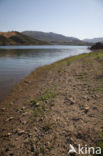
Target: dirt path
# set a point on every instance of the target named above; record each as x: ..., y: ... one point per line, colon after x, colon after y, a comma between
x: 57, y: 105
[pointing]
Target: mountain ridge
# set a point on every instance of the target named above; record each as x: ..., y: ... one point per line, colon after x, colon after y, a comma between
x: 54, y: 38
x: 94, y: 40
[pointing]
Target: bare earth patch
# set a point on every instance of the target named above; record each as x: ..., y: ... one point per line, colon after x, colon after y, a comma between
x: 8, y: 34
x: 57, y: 105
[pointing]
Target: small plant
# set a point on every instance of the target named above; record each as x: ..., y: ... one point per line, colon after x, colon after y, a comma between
x: 100, y: 144
x: 46, y: 127
x: 82, y: 75
x: 52, y: 104
x: 34, y: 102
x: 42, y: 150
x: 37, y: 112
x: 48, y: 96
x: 44, y: 97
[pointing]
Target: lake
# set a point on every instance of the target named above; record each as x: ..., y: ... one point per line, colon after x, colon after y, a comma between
x: 16, y: 62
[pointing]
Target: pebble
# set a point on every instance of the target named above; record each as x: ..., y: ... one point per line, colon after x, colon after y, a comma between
x: 20, y: 131
x: 72, y: 101
x: 11, y: 118
x: 3, y: 109
x: 86, y: 109
x: 9, y: 134
x: 86, y: 97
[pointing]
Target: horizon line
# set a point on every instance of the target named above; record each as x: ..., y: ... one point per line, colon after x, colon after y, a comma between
x: 52, y: 32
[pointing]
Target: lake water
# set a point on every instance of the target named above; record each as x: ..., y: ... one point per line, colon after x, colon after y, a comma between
x: 16, y: 62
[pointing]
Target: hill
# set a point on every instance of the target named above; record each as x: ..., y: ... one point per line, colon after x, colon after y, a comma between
x: 97, y: 45
x: 54, y: 38
x: 16, y: 38
x: 94, y: 40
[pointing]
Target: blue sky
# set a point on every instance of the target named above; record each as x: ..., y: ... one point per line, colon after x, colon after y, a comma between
x: 78, y: 18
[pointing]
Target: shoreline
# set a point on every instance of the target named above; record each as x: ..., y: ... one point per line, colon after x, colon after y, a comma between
x: 11, y: 90
x: 6, y: 85
x: 49, y: 108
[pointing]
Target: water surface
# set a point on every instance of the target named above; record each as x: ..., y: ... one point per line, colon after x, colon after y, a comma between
x: 16, y: 62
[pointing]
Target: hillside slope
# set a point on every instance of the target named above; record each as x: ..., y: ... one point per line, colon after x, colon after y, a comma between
x: 16, y: 38
x: 96, y: 46
x: 94, y: 40
x: 54, y: 38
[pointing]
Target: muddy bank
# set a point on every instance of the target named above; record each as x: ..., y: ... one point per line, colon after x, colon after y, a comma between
x: 55, y: 106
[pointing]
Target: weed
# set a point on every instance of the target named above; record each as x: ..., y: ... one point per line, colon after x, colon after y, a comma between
x: 34, y: 102
x: 46, y: 127
x: 42, y: 150
x: 82, y: 75
x: 47, y: 96
x: 100, y: 144
x: 43, y: 98
x: 37, y: 112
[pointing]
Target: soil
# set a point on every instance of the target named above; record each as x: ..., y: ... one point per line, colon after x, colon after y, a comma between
x: 55, y: 106
x: 8, y: 34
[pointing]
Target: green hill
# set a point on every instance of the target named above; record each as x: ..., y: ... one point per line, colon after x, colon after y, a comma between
x: 16, y: 38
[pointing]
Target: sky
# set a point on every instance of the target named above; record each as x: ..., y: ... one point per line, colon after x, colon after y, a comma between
x: 77, y: 18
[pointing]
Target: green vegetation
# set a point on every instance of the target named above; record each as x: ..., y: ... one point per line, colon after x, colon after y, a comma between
x: 16, y: 38
x: 82, y: 76
x: 3, y: 40
x: 100, y: 144
x: 37, y: 112
x: 43, y: 97
x: 70, y: 59
x: 46, y: 127
x: 43, y: 150
x: 36, y: 102
x: 98, y: 45
x: 47, y: 96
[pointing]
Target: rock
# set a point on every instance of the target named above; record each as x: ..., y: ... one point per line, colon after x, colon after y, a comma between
x: 20, y: 131
x: 7, y: 149
x: 9, y: 119
x: 72, y: 154
x: 69, y: 100
x: 23, y: 108
x: 25, y: 113
x: 3, y: 109
x: 11, y: 154
x: 16, y: 139
x: 37, y: 104
x: 24, y: 122
x: 102, y: 127
x: 95, y: 108
x: 86, y: 98
x: 11, y: 103
x: 9, y: 134
x: 86, y: 109
x: 76, y: 119
x: 72, y: 101
x: 26, y: 81
x: 29, y: 134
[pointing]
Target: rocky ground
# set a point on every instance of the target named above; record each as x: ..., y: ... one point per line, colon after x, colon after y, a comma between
x: 57, y: 105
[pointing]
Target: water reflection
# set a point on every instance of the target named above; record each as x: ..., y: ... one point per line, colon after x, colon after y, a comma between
x: 17, y: 63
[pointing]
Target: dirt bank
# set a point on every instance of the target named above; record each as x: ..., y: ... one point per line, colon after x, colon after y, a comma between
x: 55, y: 106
